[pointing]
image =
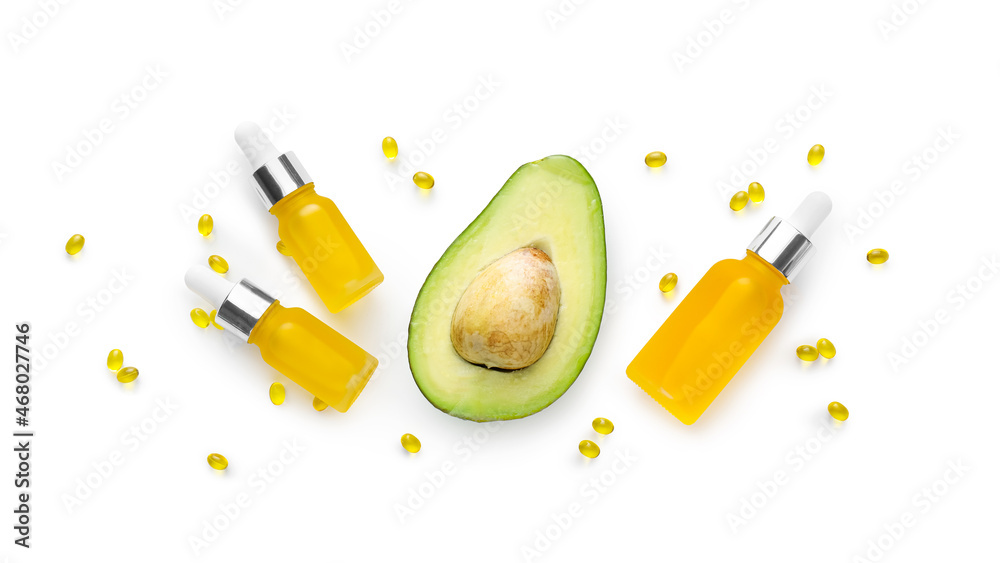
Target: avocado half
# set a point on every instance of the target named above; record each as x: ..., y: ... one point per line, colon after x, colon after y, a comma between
x: 552, y: 205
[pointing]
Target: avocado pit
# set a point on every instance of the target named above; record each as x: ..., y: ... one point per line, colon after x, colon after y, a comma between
x: 507, y: 315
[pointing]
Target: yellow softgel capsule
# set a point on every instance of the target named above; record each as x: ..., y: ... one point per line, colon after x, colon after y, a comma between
x: 277, y: 393
x: 756, y: 192
x: 668, y: 282
x: 211, y: 319
x: 200, y: 318
x: 318, y: 404
x: 656, y: 159
x: 878, y: 256
x: 816, y: 154
x: 826, y: 348
x: 389, y: 148
x: 205, y: 225
x: 218, y: 462
x: 739, y: 201
x: 423, y: 180
x: 282, y: 249
x: 806, y: 353
x: 838, y: 411
x: 115, y: 359
x: 127, y: 375
x: 218, y: 263
x: 590, y: 449
x: 410, y: 443
x: 74, y: 244
x: 603, y: 426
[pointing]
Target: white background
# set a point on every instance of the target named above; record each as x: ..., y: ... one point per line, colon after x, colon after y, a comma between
x: 558, y: 84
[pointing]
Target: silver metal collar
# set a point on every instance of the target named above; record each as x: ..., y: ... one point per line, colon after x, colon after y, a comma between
x: 280, y: 177
x: 243, y: 308
x: 783, y: 246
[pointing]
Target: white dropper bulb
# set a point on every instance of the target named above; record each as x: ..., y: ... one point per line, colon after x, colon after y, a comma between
x: 210, y: 286
x: 255, y: 145
x: 811, y: 213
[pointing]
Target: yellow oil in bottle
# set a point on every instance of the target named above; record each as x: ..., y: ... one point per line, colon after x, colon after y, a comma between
x: 312, y: 354
x: 292, y: 341
x: 710, y: 335
x: 725, y: 316
x: 318, y: 238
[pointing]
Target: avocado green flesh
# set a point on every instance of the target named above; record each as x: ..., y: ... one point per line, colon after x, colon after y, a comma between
x: 553, y: 205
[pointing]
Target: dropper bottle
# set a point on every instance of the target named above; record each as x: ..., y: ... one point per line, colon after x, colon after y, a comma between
x: 311, y: 227
x: 291, y: 340
x: 726, y: 316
